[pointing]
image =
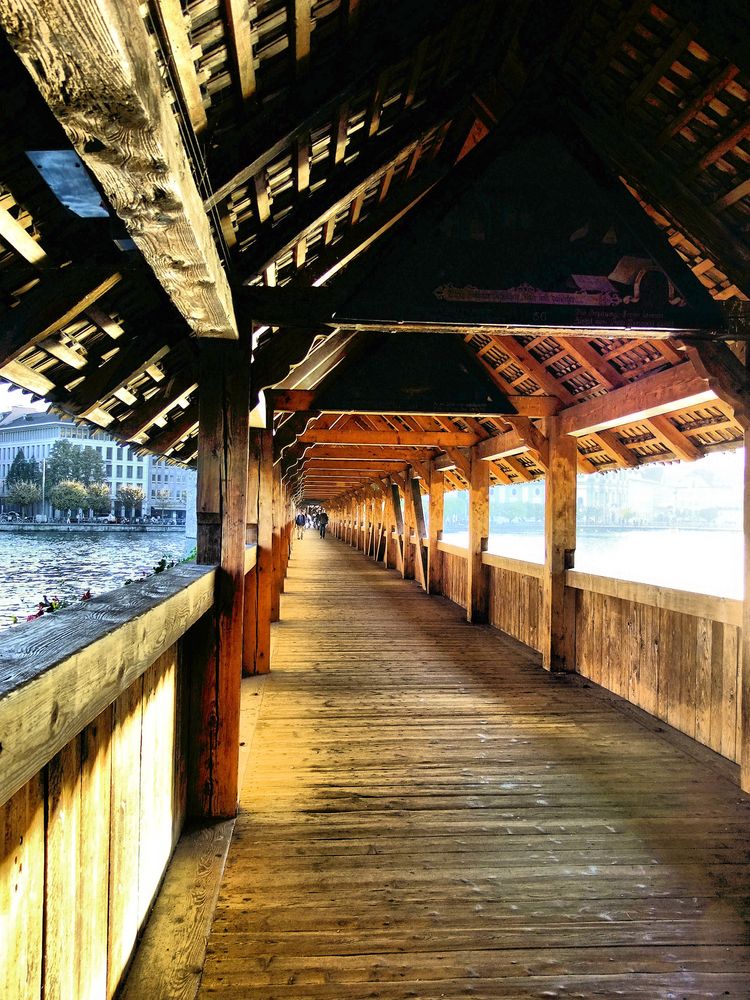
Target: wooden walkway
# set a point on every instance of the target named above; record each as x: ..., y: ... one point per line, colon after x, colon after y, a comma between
x: 428, y: 814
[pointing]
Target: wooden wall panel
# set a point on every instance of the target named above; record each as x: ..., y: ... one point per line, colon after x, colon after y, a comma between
x: 454, y: 574
x: 124, y: 831
x: 516, y: 605
x: 86, y: 841
x: 681, y: 668
x: 62, y: 874
x: 96, y: 777
x: 22, y: 892
x: 157, y: 782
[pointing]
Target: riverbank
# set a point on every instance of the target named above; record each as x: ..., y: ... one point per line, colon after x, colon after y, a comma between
x: 141, y: 529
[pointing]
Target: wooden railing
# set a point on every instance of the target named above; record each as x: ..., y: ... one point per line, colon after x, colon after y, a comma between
x: 93, y: 781
x: 673, y: 653
x: 453, y: 573
x: 515, y: 604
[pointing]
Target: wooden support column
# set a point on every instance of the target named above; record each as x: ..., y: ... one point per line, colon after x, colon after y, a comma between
x: 744, y: 694
x: 558, y: 602
x: 276, y: 544
x: 250, y: 611
x: 398, y: 523
x: 264, y: 563
x: 379, y: 528
x: 387, y: 526
x: 407, y: 567
x: 217, y: 654
x: 420, y: 550
x: 477, y: 575
x: 435, y: 528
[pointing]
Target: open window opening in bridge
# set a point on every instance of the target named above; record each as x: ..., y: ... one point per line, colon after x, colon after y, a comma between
x: 675, y: 525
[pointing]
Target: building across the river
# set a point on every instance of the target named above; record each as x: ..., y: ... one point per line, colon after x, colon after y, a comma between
x: 167, y: 487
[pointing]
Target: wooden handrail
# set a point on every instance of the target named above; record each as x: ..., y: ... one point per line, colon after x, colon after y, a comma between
x: 453, y: 550
x: 718, y: 609
x: 521, y: 566
x: 59, y: 672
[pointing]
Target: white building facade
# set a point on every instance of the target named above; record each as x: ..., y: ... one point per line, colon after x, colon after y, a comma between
x: 168, y: 489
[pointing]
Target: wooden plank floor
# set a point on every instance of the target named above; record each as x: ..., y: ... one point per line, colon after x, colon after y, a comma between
x: 428, y: 814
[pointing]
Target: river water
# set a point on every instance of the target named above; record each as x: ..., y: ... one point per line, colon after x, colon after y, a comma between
x: 66, y: 564
x: 704, y: 562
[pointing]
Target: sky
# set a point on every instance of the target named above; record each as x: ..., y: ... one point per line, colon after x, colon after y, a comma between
x: 10, y: 397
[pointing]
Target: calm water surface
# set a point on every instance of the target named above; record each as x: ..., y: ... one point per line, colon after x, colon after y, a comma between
x: 68, y: 563
x: 705, y: 562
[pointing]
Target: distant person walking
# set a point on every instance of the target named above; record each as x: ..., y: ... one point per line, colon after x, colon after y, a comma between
x: 300, y: 520
x: 322, y: 523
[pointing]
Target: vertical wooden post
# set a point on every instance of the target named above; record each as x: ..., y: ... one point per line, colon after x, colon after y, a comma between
x: 744, y: 693
x: 379, y: 518
x: 407, y: 567
x: 276, y: 544
x: 558, y: 602
x: 264, y: 563
x: 435, y: 528
x: 217, y: 664
x: 387, y: 527
x: 250, y: 611
x: 398, y: 522
x: 420, y: 549
x: 477, y: 575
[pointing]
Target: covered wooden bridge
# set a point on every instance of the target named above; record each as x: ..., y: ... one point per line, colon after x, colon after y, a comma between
x: 350, y: 253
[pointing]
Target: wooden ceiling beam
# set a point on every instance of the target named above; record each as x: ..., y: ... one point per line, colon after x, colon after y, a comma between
x: 662, y: 392
x: 405, y: 439
x: 240, y: 34
x: 654, y: 179
x: 343, y: 187
x: 299, y: 20
x: 158, y: 405
x: 167, y: 438
x: 100, y: 384
x: 378, y: 222
x: 179, y: 48
x: 319, y: 99
x: 619, y: 451
x: 94, y: 64
x: 20, y: 239
x: 56, y: 301
x: 355, y: 453
x: 303, y: 400
x: 679, y: 444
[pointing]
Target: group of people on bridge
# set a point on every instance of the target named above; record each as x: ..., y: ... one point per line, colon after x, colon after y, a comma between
x: 317, y: 520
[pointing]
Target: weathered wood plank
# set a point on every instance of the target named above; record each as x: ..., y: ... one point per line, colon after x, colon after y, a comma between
x: 435, y: 528
x: 123, y: 835
x: 477, y: 574
x: 22, y: 851
x: 720, y: 609
x: 558, y: 621
x: 59, y: 673
x: 94, y: 64
x: 93, y: 859
x: 223, y: 442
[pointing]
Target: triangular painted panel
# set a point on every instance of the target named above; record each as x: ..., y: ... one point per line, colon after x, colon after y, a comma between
x: 411, y: 373
x: 535, y: 239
